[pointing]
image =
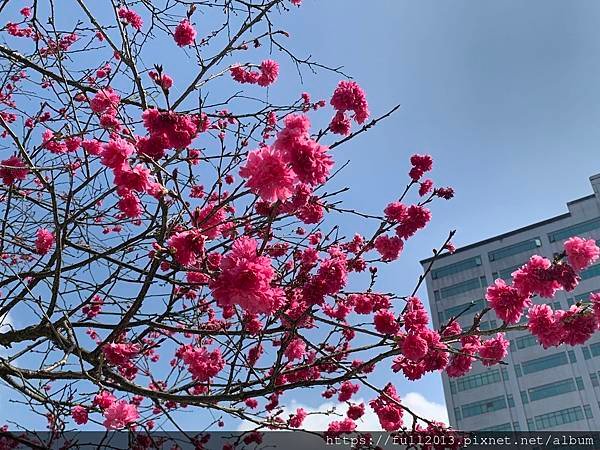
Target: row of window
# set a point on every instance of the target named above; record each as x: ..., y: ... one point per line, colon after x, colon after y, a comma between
x: 457, y: 267
x: 583, y: 227
x: 514, y: 249
x: 591, y: 350
x: 590, y: 272
x: 460, y: 288
x: 594, y: 379
x: 545, y: 362
x: 561, y: 417
x: 552, y: 389
x: 488, y: 405
x: 522, y: 342
x: 542, y: 421
x: 503, y: 427
x: 494, y: 255
x: 463, y: 309
x: 468, y: 382
x: 506, y: 274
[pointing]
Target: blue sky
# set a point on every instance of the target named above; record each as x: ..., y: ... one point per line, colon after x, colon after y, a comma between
x: 504, y: 95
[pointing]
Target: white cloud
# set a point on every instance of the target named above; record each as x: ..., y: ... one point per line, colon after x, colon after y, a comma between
x: 425, y: 408
x: 319, y: 417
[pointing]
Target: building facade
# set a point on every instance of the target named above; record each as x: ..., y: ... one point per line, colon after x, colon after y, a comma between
x: 538, y: 390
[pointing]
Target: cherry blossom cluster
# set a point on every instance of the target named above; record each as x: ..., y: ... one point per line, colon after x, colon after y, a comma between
x: 267, y: 73
x: 130, y: 17
x: 185, y: 33
x: 348, y: 97
x: 181, y: 250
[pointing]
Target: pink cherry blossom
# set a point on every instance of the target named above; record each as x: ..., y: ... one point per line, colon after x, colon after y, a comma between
x: 543, y: 325
x: 201, y: 363
x: 416, y: 218
x: 494, y: 350
x: 506, y: 301
x: 385, y: 322
x: 347, y: 390
x: 245, y: 280
x: 105, y: 100
x: 414, y: 347
x: 338, y: 427
x: 349, y: 96
x: 120, y: 415
x: 185, y: 33
x: 79, y: 414
x: 578, y: 325
x: 115, y: 153
x: 389, y: 247
x: 187, y: 246
x: 581, y: 252
x: 268, y: 175
x: 298, y: 418
x: 13, y: 169
x: 420, y: 165
x: 388, y: 409
x: 44, y: 241
x: 533, y: 278
x: 130, y: 17
x: 269, y: 70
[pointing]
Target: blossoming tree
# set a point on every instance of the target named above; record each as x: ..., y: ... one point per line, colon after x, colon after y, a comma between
x: 163, y: 252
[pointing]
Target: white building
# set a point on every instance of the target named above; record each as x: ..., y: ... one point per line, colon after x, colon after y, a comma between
x: 554, y: 389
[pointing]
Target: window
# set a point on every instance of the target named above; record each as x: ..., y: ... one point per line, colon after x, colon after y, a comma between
x: 556, y: 418
x: 503, y: 427
x: 436, y: 295
x: 514, y: 249
x: 505, y: 274
x: 586, y: 353
x: 524, y: 398
x: 518, y: 370
x: 463, y: 286
x: 556, y: 305
x: 511, y: 401
x: 594, y: 379
x: 465, y: 308
x: 590, y: 272
x: 475, y: 381
x: 530, y: 425
x: 457, y: 414
x: 484, y: 406
x: 551, y: 389
x: 526, y: 341
x: 588, y: 411
x: 572, y: 357
x: 457, y: 267
x: 595, y: 349
x: 573, y: 230
x: 504, y: 372
x: 545, y: 362
x: 513, y: 347
x: 579, y: 382
x: 516, y: 426
x: 452, y: 387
